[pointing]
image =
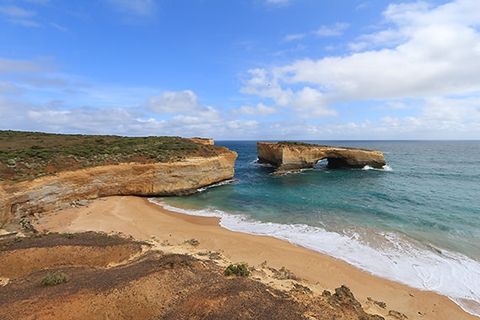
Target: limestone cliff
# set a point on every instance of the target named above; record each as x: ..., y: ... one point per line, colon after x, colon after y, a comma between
x: 152, y: 179
x: 206, y: 141
x: 291, y: 156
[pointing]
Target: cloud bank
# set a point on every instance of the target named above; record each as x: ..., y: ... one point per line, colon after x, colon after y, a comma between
x: 417, y: 76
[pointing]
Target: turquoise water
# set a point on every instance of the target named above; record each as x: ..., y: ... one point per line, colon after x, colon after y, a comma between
x: 416, y: 222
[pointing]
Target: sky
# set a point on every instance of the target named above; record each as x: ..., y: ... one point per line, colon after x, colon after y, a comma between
x: 242, y: 69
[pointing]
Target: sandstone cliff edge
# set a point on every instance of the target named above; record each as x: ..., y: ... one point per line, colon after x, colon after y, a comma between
x: 145, y: 177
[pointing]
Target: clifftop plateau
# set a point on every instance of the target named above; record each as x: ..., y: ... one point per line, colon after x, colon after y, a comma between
x: 41, y: 172
x: 28, y: 155
x: 292, y: 156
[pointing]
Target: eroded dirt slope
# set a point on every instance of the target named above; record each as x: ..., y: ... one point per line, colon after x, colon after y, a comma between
x: 111, y: 277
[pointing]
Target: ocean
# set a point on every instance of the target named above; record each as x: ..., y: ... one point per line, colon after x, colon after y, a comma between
x: 416, y: 222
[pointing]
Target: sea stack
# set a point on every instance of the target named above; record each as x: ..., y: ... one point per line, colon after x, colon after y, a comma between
x: 294, y: 156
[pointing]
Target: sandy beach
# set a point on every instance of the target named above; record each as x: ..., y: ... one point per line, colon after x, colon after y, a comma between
x: 144, y: 220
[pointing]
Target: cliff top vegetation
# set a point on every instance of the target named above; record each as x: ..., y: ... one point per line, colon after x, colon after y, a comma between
x: 295, y: 143
x: 28, y: 155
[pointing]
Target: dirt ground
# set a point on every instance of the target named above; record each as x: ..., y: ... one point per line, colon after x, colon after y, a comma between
x: 113, y: 277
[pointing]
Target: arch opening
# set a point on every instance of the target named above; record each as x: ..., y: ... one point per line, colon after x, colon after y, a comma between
x: 321, y: 164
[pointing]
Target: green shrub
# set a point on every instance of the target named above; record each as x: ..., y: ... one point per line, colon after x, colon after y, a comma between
x: 54, y: 279
x: 238, y: 270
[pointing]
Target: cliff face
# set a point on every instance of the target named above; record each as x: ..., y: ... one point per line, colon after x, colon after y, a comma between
x: 154, y: 179
x: 207, y: 141
x: 294, y: 156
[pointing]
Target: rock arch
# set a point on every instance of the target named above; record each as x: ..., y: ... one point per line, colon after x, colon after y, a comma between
x: 291, y: 156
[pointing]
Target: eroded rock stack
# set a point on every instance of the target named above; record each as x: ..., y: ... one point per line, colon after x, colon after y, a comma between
x: 292, y: 156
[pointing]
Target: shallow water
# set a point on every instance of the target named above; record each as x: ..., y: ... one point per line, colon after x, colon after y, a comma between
x: 417, y: 222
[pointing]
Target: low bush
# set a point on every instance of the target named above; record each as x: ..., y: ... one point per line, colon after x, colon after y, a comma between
x: 55, y: 278
x: 238, y: 270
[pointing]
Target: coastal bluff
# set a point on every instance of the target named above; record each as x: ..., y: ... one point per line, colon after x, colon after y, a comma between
x: 156, y: 179
x: 141, y: 176
x: 293, y: 156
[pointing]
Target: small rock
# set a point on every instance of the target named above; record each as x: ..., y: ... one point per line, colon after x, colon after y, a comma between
x: 378, y: 303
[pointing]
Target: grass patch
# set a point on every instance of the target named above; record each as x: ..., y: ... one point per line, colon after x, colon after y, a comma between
x: 55, y: 278
x: 240, y: 270
x: 28, y: 155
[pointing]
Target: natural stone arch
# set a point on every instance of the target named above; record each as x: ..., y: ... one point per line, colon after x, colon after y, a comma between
x: 291, y: 156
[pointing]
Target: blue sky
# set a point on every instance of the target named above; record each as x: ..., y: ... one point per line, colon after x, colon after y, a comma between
x: 242, y: 69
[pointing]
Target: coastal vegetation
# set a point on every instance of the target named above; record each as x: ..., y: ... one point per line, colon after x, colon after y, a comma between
x: 240, y: 270
x: 53, y: 279
x: 28, y: 155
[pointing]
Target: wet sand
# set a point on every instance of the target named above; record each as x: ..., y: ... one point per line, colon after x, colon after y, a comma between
x: 143, y: 220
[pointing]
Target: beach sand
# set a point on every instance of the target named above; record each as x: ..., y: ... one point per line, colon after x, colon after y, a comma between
x: 144, y: 220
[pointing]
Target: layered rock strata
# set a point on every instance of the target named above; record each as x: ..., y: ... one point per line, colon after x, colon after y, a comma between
x: 153, y: 179
x: 292, y: 156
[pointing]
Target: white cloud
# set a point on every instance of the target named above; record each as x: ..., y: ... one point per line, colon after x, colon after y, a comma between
x: 22, y: 66
x: 42, y: 82
x: 17, y: 15
x: 278, y: 1
x: 15, y: 12
x: 58, y: 27
x: 185, y: 116
x: 265, y: 84
x: 25, y: 23
x: 310, y: 103
x: 259, y: 110
x: 173, y: 102
x: 397, y: 105
x: 8, y: 88
x: 362, y: 6
x: 330, y: 31
x: 137, y: 7
x: 440, y: 56
x: 292, y: 37
x: 207, y: 115
x: 307, y: 101
x: 424, y: 66
x: 454, y: 111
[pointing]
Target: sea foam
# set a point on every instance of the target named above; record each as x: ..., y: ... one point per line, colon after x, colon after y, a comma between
x: 218, y: 184
x: 384, y: 254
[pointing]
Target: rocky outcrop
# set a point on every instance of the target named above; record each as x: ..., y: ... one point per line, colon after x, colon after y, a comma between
x: 153, y: 179
x: 207, y: 141
x: 291, y: 156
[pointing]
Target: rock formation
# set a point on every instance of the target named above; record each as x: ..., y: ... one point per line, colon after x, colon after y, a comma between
x: 18, y: 200
x: 292, y: 156
x: 207, y: 141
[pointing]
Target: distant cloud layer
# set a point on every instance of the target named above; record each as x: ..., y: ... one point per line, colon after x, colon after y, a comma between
x: 435, y: 58
x: 413, y: 73
x: 334, y: 30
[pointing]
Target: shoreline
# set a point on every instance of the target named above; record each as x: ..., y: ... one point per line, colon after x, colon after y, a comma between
x: 144, y: 220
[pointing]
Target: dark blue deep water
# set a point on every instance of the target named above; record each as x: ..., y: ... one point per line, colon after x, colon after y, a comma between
x: 416, y: 222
